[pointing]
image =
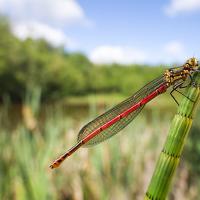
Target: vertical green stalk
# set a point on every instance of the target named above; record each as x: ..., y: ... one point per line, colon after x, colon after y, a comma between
x: 170, y: 156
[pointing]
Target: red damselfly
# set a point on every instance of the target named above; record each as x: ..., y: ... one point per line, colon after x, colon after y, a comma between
x: 115, y: 119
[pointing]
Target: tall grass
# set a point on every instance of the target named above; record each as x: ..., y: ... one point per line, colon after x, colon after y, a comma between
x: 118, y: 169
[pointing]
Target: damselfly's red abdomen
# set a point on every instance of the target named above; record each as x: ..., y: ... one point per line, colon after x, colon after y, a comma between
x: 117, y: 118
x: 114, y: 112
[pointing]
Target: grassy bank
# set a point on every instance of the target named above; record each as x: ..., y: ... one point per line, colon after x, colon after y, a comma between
x: 117, y: 169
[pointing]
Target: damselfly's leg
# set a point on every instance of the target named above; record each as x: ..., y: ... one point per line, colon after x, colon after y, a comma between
x: 181, y: 86
x: 192, y: 82
x: 174, y: 97
x: 189, y: 82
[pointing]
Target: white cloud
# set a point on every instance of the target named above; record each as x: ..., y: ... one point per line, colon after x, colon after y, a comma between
x: 57, y: 13
x: 170, y: 52
x: 37, y: 30
x: 44, y: 18
x: 179, y: 6
x: 116, y: 54
x: 174, y: 48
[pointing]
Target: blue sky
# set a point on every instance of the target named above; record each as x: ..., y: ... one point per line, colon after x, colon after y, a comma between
x: 128, y: 31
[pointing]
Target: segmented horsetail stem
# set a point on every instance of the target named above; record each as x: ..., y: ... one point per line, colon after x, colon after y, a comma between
x: 170, y: 156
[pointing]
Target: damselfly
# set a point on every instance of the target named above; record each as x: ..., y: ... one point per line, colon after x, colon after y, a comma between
x: 115, y: 119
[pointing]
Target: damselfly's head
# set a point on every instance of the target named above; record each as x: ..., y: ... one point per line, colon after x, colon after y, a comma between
x: 192, y: 63
x: 176, y: 74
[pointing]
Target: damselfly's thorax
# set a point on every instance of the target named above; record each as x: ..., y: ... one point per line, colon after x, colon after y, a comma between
x: 176, y: 74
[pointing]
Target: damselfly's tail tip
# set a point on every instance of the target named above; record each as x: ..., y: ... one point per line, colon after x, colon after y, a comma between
x: 51, y: 166
x: 54, y: 165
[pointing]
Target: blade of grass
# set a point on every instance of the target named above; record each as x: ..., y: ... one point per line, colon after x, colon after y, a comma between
x: 170, y: 156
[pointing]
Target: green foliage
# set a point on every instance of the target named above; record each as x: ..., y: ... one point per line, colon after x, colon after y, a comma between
x: 117, y: 169
x: 35, y: 63
x: 31, y: 70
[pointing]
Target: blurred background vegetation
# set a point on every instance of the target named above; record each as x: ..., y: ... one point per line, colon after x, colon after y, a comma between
x: 47, y: 95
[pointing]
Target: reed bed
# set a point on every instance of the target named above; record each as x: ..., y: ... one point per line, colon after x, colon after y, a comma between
x: 118, y: 169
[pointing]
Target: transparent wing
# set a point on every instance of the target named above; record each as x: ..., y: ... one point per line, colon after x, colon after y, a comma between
x: 115, y: 111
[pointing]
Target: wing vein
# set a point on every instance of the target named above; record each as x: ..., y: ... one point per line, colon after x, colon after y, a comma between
x: 115, y: 111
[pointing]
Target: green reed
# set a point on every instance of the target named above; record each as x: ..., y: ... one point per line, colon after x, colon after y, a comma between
x: 170, y: 156
x: 116, y: 169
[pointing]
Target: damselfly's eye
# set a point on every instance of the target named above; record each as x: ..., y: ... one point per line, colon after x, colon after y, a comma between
x: 196, y: 62
x: 192, y: 62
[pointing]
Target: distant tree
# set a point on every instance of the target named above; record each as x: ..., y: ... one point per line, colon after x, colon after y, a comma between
x: 31, y: 64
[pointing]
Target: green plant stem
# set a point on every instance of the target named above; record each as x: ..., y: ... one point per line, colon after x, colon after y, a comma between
x: 170, y: 156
